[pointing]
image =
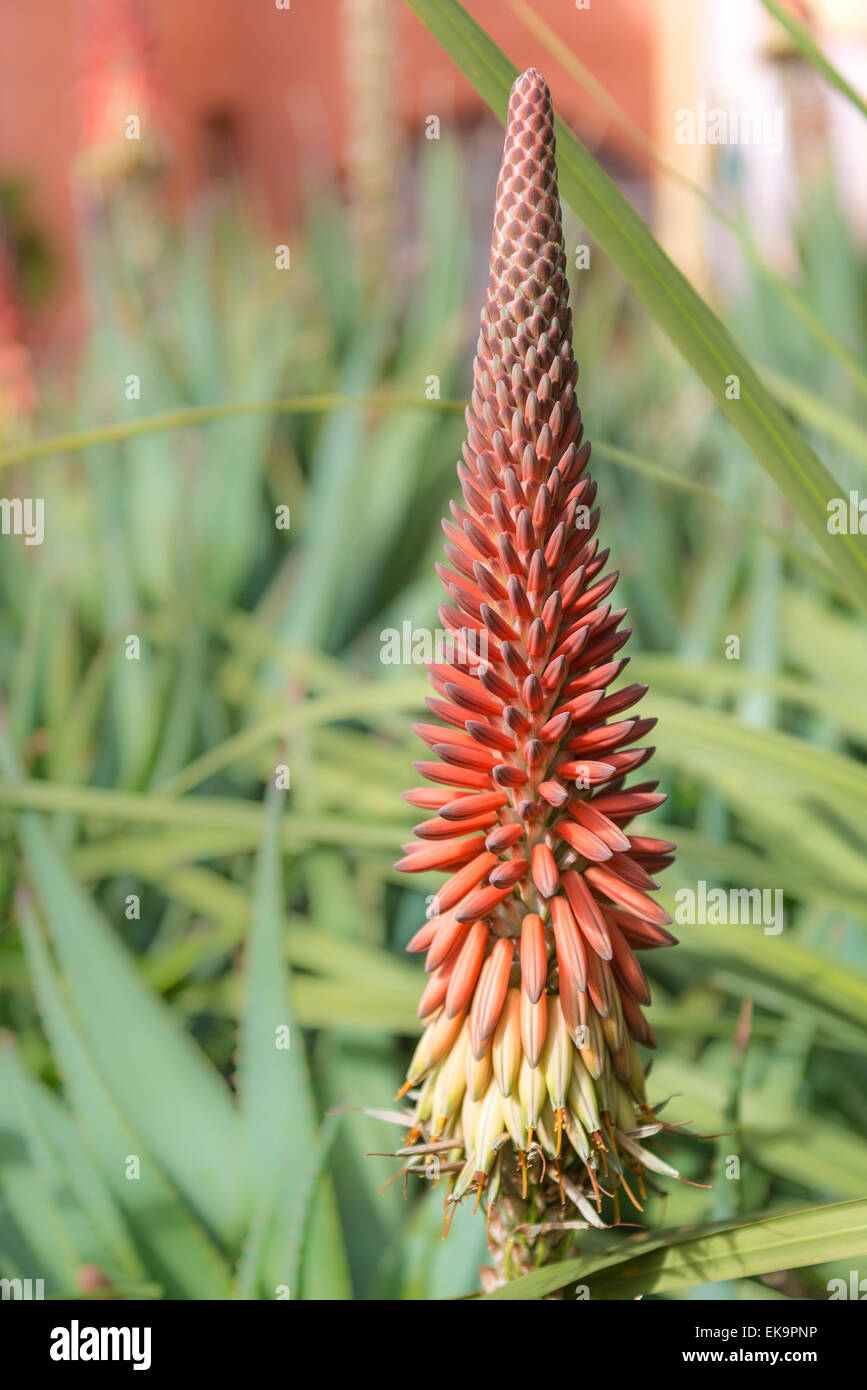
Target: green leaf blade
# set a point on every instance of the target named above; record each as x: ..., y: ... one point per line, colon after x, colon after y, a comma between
x: 696, y: 332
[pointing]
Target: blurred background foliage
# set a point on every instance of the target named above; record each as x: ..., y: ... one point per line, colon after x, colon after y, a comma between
x: 152, y: 891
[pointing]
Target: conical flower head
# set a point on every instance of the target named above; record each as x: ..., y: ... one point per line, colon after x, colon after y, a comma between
x: 527, y: 1072
x: 17, y: 384
x: 118, y: 86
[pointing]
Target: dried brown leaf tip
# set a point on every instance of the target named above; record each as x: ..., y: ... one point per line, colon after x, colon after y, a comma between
x: 527, y: 1084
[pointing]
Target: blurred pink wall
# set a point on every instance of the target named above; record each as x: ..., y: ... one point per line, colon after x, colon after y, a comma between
x: 274, y: 77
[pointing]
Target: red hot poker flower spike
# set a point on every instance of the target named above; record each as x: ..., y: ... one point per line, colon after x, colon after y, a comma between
x: 534, y: 1003
x: 119, y: 82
